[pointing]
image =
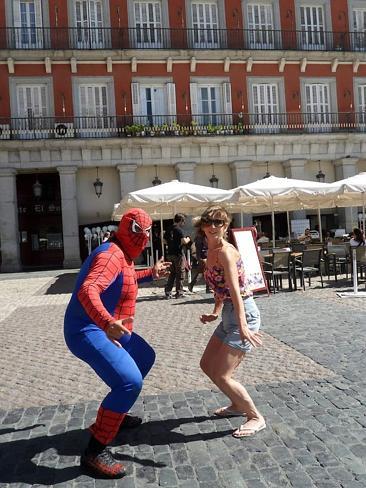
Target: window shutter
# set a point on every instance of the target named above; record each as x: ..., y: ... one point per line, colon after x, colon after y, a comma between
x: 21, y: 112
x: 135, y: 88
x: 193, y: 88
x: 16, y: 14
x: 226, y: 88
x: 38, y: 13
x: 83, y: 101
x: 43, y: 101
x: 172, y: 106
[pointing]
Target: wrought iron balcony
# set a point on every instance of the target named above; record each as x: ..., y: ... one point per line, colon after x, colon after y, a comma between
x: 181, y: 125
x: 161, y: 38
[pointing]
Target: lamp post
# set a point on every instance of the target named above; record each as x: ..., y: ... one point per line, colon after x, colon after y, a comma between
x: 156, y: 181
x: 214, y: 179
x: 98, y: 185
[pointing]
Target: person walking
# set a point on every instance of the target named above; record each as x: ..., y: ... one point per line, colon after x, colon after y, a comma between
x: 237, y: 332
x: 98, y: 330
x: 200, y: 244
x: 175, y: 240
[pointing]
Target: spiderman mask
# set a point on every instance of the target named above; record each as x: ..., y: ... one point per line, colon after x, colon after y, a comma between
x: 134, y: 231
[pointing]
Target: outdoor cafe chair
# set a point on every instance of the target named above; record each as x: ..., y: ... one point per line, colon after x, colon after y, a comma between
x: 360, y: 260
x: 276, y: 266
x: 309, y: 264
x: 298, y: 246
x: 337, y: 259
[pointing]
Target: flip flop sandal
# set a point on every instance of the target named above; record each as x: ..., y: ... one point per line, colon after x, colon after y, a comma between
x: 227, y: 412
x: 247, y: 431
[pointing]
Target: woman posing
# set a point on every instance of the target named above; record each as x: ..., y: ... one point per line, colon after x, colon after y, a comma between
x: 238, y: 329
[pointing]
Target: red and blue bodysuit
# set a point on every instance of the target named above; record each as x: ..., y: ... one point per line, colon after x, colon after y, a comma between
x: 105, y: 291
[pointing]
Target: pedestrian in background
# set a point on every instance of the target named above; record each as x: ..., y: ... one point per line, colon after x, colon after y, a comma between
x: 175, y: 240
x: 200, y: 245
x: 237, y: 332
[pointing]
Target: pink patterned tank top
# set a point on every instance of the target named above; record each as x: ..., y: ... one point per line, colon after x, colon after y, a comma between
x: 215, y: 278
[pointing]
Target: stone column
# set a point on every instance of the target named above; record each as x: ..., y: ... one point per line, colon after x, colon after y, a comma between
x: 242, y: 175
x: 185, y: 172
x: 9, y: 232
x: 295, y: 168
x: 127, y: 178
x: 70, y: 223
x: 347, y: 217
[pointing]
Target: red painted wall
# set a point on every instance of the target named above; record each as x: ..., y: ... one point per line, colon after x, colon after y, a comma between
x: 62, y: 88
x: 4, y: 91
x: 62, y: 76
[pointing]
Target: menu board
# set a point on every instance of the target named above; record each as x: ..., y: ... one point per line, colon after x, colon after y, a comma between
x: 244, y: 241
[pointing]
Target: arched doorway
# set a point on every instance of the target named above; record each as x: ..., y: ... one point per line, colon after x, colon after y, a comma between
x: 40, y: 220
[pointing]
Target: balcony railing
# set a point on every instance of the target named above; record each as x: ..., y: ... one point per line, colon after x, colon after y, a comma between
x: 162, y: 38
x: 180, y: 125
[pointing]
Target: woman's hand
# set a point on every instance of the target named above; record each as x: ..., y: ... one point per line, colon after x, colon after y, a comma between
x: 117, y: 329
x: 208, y: 317
x: 255, y: 338
x: 161, y: 268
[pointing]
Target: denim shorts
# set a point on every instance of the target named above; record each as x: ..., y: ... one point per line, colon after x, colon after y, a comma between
x: 228, y: 330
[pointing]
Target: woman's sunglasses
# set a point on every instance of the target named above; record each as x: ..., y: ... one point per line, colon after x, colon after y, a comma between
x: 207, y: 221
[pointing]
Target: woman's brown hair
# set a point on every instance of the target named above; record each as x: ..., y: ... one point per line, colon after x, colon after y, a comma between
x: 212, y: 211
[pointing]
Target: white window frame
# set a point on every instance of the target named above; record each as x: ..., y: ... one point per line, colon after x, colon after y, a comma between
x: 208, y: 40
x: 14, y: 38
x: 270, y: 123
x: 161, y: 31
x: 319, y: 123
x: 25, y: 130
x: 264, y: 39
x: 358, y: 42
x: 328, y: 39
x: 222, y: 117
x: 170, y: 109
x: 93, y: 44
x: 89, y: 128
x: 360, y: 111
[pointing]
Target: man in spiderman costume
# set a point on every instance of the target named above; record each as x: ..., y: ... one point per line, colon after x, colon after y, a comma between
x: 98, y: 330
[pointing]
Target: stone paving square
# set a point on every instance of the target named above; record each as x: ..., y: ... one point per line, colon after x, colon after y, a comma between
x: 308, y: 380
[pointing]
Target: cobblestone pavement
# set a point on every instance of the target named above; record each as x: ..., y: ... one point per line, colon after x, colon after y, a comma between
x: 308, y: 380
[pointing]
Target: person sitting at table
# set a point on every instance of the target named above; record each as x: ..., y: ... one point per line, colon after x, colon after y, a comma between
x: 358, y: 239
x: 262, y: 238
x: 305, y: 237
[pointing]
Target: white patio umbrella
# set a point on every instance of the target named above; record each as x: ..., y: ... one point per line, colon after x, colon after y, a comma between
x: 164, y: 201
x: 283, y: 194
x: 352, y: 193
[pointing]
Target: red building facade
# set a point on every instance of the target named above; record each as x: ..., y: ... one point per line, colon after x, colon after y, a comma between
x: 131, y: 86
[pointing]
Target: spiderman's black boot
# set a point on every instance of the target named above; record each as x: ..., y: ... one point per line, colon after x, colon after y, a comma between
x: 98, y: 459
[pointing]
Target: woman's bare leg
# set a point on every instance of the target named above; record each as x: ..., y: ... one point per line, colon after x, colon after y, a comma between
x: 219, y: 362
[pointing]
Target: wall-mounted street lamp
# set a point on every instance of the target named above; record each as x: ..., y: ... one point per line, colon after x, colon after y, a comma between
x: 37, y: 188
x: 214, y: 179
x: 268, y: 174
x: 156, y: 181
x: 320, y: 176
x: 98, y: 185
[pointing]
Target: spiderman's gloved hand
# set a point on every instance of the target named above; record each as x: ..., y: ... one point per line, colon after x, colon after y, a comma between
x: 161, y: 268
x: 117, y: 329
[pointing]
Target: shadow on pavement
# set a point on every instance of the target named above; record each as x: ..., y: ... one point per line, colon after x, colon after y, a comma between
x: 18, y: 458
x: 64, y: 284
